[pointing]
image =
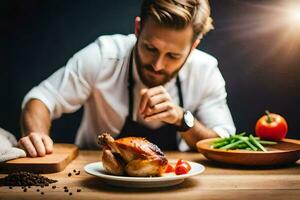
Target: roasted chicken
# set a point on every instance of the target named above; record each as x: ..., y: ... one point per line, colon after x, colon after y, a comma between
x: 133, y: 156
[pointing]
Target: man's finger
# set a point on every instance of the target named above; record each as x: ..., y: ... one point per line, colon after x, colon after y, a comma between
x: 27, y: 145
x: 48, y: 144
x: 156, y: 90
x: 158, y: 99
x: 156, y: 117
x: 36, y: 140
x: 158, y: 108
x: 146, y: 94
x: 143, y: 101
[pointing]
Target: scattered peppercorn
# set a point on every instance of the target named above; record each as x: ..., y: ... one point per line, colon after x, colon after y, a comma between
x: 69, y: 174
x: 23, y: 178
x: 53, y: 187
x: 74, y: 170
x: 10, y: 187
x: 78, y: 190
x: 37, y: 190
x: 66, y: 190
x: 65, y: 187
x: 42, y: 193
x: 70, y: 193
x: 25, y: 190
x: 78, y: 173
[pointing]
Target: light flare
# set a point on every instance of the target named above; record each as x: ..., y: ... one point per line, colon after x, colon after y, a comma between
x: 273, y: 24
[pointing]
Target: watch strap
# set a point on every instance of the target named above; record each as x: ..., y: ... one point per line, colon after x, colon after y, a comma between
x: 184, y: 126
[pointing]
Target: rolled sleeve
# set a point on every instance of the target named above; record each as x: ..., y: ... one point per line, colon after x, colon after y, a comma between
x: 213, y: 111
x: 42, y: 94
x: 224, y: 132
x: 68, y: 88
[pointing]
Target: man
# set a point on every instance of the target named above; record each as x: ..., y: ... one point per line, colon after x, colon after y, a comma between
x: 153, y: 84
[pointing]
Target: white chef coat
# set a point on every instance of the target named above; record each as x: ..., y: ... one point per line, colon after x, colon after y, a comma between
x: 96, y: 77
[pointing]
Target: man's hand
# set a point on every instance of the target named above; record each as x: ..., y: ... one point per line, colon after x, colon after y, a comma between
x: 35, y: 125
x: 156, y: 105
x: 36, y: 144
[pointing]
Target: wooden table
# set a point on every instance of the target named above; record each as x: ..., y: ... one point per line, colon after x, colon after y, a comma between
x: 216, y: 182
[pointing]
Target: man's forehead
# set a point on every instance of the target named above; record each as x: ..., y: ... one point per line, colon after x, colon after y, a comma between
x: 157, y: 34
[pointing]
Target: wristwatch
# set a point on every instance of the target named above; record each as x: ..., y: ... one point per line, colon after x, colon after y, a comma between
x: 187, y: 122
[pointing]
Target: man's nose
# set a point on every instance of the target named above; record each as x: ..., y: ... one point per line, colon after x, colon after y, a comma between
x: 158, y: 64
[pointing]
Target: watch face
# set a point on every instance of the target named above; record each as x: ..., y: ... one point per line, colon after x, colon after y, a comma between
x: 189, y: 119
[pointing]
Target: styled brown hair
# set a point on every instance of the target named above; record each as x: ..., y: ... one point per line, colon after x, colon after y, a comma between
x: 179, y: 14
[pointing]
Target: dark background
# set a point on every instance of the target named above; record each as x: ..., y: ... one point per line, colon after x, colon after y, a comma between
x: 260, y: 63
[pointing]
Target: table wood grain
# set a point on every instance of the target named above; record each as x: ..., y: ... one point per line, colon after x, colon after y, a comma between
x: 218, y: 181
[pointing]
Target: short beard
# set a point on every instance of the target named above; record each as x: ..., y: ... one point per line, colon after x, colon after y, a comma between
x: 150, y: 84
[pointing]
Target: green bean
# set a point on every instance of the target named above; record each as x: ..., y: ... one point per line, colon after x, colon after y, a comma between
x: 234, y: 140
x: 242, y: 134
x: 246, y: 140
x: 241, y: 141
x: 256, y: 143
x: 220, y: 144
x: 220, y: 140
x: 242, y: 146
x: 266, y: 142
x: 232, y: 145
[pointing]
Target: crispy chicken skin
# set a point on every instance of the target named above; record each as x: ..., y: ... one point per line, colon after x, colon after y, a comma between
x: 133, y: 156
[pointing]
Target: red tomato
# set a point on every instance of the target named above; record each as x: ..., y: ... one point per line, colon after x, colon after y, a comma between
x: 169, y: 168
x: 182, y: 169
x: 180, y: 161
x: 271, y: 127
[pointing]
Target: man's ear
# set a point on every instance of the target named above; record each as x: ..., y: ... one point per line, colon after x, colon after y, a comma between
x: 137, y: 26
x: 196, y: 43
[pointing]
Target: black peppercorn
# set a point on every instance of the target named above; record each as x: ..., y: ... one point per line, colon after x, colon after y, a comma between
x: 25, y: 179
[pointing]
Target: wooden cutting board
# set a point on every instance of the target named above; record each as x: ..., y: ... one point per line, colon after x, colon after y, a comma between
x: 61, y: 156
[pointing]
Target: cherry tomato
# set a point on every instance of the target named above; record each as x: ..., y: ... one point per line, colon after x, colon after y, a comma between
x: 169, y: 168
x: 182, y: 169
x: 180, y: 161
x: 271, y: 127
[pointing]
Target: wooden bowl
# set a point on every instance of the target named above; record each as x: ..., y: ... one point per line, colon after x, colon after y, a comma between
x: 284, y: 152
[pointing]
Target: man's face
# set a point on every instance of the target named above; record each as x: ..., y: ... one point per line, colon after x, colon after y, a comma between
x: 161, y: 52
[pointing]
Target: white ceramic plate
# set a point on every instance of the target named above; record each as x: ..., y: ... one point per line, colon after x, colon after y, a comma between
x: 167, y: 179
